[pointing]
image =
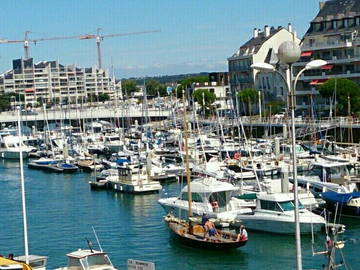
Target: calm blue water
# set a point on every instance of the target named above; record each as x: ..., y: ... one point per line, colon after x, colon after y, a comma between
x: 62, y: 209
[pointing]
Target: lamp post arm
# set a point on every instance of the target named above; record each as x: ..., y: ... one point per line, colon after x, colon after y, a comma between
x: 297, y: 77
x: 284, y: 78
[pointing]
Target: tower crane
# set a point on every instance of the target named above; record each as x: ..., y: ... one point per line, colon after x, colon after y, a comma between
x: 98, y: 37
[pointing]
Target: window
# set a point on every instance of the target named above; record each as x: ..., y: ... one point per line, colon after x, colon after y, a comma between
x: 334, y: 24
x: 196, y: 197
x: 317, y: 27
x: 219, y: 197
x: 328, y: 25
x: 351, y: 22
x: 270, y: 205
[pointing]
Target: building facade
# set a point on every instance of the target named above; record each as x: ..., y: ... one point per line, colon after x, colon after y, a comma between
x: 52, y: 82
x: 333, y: 36
x: 261, y: 48
x: 219, y: 85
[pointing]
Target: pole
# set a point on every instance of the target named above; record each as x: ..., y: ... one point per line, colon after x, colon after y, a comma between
x: 260, y: 104
x: 26, y: 244
x: 187, y: 158
x: 296, y: 201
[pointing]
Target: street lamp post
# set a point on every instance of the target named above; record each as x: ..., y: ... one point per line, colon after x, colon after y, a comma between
x: 289, y: 52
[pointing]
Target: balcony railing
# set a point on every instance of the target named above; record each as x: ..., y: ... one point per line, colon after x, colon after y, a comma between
x: 327, y: 45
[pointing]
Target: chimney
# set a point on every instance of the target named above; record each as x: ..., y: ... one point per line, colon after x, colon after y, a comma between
x: 321, y: 5
x: 267, y: 31
x: 255, y: 33
x: 290, y: 28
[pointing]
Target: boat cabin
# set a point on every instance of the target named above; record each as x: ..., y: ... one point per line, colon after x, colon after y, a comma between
x: 278, y: 202
x: 210, y: 191
x: 35, y: 261
x: 111, y: 138
x: 129, y: 173
x: 331, y: 172
x: 88, y: 259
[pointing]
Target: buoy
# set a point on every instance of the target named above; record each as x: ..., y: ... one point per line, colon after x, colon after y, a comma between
x: 237, y: 155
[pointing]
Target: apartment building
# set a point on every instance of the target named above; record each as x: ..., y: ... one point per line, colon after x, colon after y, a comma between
x: 333, y: 35
x: 262, y: 47
x: 53, y: 82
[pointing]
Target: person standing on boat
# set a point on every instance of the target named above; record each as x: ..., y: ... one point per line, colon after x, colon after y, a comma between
x: 204, y: 218
x: 210, y: 228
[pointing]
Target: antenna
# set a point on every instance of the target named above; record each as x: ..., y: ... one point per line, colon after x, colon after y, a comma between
x: 89, y: 245
x: 97, y: 239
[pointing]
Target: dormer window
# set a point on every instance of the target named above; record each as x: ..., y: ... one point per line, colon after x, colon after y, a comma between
x: 317, y: 27
x: 334, y: 23
x: 328, y: 25
x: 340, y: 24
x: 351, y: 22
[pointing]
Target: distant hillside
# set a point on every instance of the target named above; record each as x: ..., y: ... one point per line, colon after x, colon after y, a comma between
x: 168, y: 78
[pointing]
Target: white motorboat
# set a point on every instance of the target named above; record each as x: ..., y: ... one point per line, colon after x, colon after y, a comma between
x: 10, y: 147
x: 206, y: 191
x: 324, y: 175
x: 275, y: 213
x: 84, y: 259
x: 133, y: 179
x: 113, y: 142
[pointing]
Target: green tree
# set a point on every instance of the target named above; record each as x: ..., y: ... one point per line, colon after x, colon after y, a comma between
x: 276, y: 106
x: 92, y: 98
x: 104, y: 97
x: 248, y: 96
x: 39, y: 101
x: 154, y: 88
x: 346, y: 90
x: 188, y: 82
x: 18, y: 97
x: 204, y: 97
x: 5, y: 102
x: 128, y: 87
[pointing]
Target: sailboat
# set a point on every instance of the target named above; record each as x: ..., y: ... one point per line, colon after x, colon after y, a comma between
x: 195, y: 234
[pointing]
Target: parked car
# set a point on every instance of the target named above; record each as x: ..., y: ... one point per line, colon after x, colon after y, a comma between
x: 26, y: 112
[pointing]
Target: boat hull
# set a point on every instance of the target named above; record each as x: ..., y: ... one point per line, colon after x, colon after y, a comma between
x: 278, y: 226
x: 223, y: 242
x: 13, y: 154
x: 133, y: 189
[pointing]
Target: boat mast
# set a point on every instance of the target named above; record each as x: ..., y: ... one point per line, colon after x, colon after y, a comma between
x: 187, y: 156
x: 26, y: 244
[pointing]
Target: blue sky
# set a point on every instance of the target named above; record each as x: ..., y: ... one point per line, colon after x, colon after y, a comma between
x: 196, y: 35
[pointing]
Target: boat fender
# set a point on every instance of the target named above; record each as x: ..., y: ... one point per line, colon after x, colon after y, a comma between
x: 244, y: 163
x: 237, y: 155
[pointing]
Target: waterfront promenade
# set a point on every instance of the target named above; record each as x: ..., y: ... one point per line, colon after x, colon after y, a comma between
x: 107, y: 111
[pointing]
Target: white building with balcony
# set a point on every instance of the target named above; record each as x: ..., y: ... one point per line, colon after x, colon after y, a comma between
x: 51, y: 81
x: 261, y: 48
x: 333, y: 36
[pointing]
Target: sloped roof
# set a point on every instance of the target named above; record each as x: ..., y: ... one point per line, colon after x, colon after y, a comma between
x: 258, y: 41
x: 338, y: 9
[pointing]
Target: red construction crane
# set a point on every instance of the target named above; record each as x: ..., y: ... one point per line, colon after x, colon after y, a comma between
x: 96, y: 36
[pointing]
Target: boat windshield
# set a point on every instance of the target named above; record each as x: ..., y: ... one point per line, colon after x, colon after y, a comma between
x: 289, y: 205
x: 326, y: 173
x: 196, y: 197
x: 97, y: 260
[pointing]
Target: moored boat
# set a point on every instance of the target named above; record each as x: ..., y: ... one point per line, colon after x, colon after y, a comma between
x: 84, y: 259
x: 195, y: 235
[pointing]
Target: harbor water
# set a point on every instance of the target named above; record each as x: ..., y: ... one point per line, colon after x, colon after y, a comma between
x: 62, y: 210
